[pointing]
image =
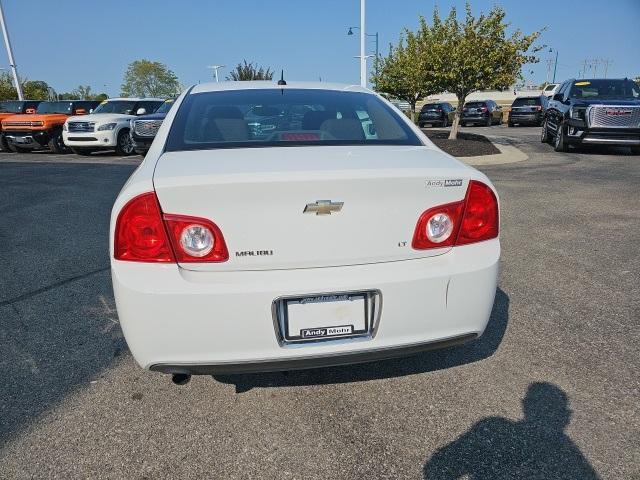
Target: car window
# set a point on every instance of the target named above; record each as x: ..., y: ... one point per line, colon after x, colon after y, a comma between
x: 55, y: 107
x: 149, y: 106
x: 519, y: 102
x: 285, y: 117
x: 604, y: 88
x: 125, y: 107
x: 475, y: 104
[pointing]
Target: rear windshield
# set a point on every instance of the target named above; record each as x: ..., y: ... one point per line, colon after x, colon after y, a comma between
x: 11, y: 107
x: 432, y: 106
x: 475, y: 105
x: 55, y: 107
x: 285, y: 117
x: 117, y: 106
x: 605, y: 89
x: 520, y: 102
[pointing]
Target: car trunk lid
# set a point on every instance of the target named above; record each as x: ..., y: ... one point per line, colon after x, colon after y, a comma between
x: 258, y: 198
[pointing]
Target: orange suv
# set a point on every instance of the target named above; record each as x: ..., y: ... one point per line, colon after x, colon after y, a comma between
x: 9, y: 108
x: 43, y: 129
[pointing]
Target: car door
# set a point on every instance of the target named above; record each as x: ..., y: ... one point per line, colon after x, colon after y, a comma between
x: 556, y: 106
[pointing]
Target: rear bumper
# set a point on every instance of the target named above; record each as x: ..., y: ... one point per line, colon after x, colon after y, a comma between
x: 474, y: 118
x: 141, y: 143
x: 179, y: 321
x: 430, y: 120
x: 525, y: 118
x: 95, y: 140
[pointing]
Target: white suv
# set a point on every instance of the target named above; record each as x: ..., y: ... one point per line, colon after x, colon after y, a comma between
x: 107, y: 127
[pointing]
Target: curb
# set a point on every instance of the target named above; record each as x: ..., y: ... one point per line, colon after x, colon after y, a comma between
x: 508, y: 154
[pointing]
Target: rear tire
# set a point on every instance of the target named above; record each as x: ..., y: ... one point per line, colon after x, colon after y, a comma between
x: 445, y: 122
x: 559, y: 140
x: 82, y: 151
x: 56, y: 144
x: 124, y: 145
x: 489, y: 121
x: 635, y: 150
x: 510, y: 124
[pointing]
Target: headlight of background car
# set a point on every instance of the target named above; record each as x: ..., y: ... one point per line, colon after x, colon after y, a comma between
x: 65, y: 127
x: 577, y: 113
x: 107, y: 126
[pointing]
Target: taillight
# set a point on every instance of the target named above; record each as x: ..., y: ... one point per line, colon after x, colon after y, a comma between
x: 144, y: 234
x: 484, y: 109
x: 140, y: 235
x: 196, y: 239
x: 471, y: 220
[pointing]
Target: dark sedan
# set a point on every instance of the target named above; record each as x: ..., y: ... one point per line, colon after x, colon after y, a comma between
x: 527, y: 111
x: 485, y: 112
x: 436, y: 114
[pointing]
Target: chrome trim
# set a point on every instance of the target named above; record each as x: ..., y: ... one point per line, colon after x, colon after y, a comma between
x: 597, y: 117
x: 608, y: 141
x: 373, y: 299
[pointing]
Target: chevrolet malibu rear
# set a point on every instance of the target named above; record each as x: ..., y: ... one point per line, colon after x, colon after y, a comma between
x: 278, y: 227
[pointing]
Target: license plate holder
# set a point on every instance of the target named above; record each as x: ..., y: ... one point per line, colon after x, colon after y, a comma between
x: 326, y: 316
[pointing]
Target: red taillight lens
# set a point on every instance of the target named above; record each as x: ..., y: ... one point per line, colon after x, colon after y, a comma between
x: 429, y: 221
x: 196, y: 239
x: 140, y: 235
x: 480, y: 220
x: 472, y: 220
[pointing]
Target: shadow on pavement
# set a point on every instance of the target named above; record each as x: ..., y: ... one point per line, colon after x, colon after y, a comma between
x: 535, y: 447
x: 428, y: 361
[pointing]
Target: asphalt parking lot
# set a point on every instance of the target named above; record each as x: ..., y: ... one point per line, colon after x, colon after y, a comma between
x: 549, y: 392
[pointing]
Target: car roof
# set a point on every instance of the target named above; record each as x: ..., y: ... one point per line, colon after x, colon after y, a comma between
x: 135, y: 99
x: 271, y: 84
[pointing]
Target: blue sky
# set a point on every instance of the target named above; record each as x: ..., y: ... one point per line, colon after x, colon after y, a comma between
x: 72, y: 42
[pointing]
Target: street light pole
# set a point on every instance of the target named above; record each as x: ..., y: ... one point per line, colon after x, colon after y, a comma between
x: 12, y: 62
x: 555, y: 67
x: 363, y: 60
x: 376, y: 36
x: 215, y: 69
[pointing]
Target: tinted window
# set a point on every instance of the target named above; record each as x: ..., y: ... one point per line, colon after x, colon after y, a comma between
x: 149, y: 106
x: 475, y: 105
x: 11, y: 107
x: 520, y: 102
x: 117, y: 106
x: 604, y: 89
x: 55, y: 107
x: 284, y: 117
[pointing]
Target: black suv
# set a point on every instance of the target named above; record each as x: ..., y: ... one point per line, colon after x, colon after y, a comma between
x: 527, y: 111
x: 144, y: 128
x: 436, y: 114
x: 594, y: 112
x: 484, y: 112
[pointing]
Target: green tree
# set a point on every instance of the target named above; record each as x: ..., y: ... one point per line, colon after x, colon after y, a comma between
x: 477, y: 53
x: 145, y: 78
x: 32, y: 89
x: 82, y: 92
x: 407, y: 71
x: 249, y: 71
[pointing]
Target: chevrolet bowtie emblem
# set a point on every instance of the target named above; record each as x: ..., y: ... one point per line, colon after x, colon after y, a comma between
x: 323, y: 207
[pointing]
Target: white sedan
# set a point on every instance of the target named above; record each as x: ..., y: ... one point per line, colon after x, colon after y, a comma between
x: 277, y: 227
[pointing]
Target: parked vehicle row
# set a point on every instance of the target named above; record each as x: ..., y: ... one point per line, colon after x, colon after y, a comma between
x: 81, y: 126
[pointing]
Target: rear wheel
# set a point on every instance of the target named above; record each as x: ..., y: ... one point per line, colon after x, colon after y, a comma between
x: 445, y: 122
x: 510, y: 124
x: 489, y: 121
x: 81, y: 151
x: 125, y: 144
x: 56, y: 145
x: 559, y: 140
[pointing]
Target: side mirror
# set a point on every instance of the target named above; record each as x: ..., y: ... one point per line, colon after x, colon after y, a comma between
x: 558, y: 97
x: 141, y: 111
x: 91, y: 110
x: 80, y: 111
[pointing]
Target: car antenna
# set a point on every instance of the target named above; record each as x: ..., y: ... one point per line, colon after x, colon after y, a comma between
x: 282, y: 81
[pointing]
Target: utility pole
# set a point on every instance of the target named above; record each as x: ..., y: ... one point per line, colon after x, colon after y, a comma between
x: 12, y: 62
x: 606, y: 62
x: 363, y: 59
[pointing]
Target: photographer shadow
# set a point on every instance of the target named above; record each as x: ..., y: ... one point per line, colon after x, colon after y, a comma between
x: 535, y: 447
x: 428, y: 361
